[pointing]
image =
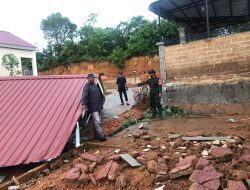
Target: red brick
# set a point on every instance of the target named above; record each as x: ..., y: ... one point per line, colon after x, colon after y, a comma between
x: 103, y: 172
x: 88, y: 156
x: 196, y: 186
x: 114, y: 157
x: 245, y: 158
x: 73, y: 175
x: 236, y: 185
x: 113, y: 171
x: 201, y: 163
x: 92, y: 178
x: 202, y: 176
x: 213, y: 184
x: 222, y: 153
x: 84, y: 178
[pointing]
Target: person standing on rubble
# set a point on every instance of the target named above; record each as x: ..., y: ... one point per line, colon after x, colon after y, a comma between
x: 155, y: 86
x: 121, y: 86
x: 92, y: 101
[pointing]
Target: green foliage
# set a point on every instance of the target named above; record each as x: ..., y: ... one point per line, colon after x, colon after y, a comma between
x: 26, y: 63
x: 57, y: 29
x: 66, y: 45
x: 129, y: 119
x: 11, y: 64
x: 168, y: 111
x: 118, y: 57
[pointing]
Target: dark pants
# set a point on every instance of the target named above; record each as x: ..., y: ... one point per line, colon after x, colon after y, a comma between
x: 123, y: 91
x: 155, y: 102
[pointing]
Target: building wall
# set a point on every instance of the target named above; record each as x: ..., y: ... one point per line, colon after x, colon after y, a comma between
x: 215, y: 56
x: 17, y: 53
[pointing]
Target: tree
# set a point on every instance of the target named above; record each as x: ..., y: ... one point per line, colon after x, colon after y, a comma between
x: 143, y: 40
x: 118, y: 57
x: 58, y: 29
x: 11, y: 64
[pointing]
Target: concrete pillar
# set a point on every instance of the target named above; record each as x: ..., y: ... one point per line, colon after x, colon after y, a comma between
x: 182, y: 34
x: 163, y: 69
x: 34, y: 64
x: 20, y: 67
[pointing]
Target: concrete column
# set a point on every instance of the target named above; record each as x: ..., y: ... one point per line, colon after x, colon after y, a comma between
x: 163, y: 69
x: 34, y: 64
x: 182, y: 34
x: 20, y: 65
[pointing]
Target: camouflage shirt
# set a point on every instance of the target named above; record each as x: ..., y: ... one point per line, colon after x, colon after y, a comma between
x: 155, y: 85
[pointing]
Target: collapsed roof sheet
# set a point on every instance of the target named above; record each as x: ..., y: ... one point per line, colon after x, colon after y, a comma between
x: 37, y: 116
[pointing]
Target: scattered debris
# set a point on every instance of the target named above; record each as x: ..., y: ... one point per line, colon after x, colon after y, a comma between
x: 216, y: 142
x: 222, y: 153
x: 141, y: 126
x: 14, y: 179
x: 88, y: 156
x: 13, y: 187
x: 184, y: 167
x: 231, y: 120
x: 160, y: 188
x: 204, y: 153
x: 129, y: 159
x: 117, y: 151
x: 163, y: 147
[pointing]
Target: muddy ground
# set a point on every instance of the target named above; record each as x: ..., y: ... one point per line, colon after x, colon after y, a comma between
x: 159, y: 153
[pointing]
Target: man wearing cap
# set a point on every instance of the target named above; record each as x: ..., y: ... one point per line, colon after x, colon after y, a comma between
x: 121, y: 85
x: 155, y: 86
x: 92, y: 101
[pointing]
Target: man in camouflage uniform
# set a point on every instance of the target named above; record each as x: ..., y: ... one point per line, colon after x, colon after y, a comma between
x: 155, y: 86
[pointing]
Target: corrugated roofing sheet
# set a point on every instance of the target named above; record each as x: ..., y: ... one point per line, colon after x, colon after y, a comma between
x: 10, y: 39
x: 222, y: 13
x: 37, y: 116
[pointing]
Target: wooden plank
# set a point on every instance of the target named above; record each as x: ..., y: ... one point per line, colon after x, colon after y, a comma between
x: 26, y: 176
x: 102, y: 145
x: 200, y: 138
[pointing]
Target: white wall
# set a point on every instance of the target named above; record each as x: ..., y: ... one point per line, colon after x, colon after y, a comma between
x: 18, y: 54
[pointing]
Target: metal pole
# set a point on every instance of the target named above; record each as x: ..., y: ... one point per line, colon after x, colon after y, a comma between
x: 77, y: 135
x: 159, y: 22
x: 207, y: 15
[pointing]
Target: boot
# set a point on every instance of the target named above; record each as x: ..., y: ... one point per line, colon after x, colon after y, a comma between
x: 160, y: 115
x: 153, y: 113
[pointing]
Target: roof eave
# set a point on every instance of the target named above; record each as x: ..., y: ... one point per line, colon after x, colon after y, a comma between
x: 17, y: 47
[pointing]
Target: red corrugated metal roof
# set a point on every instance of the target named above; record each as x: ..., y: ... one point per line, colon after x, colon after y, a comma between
x: 37, y: 116
x: 10, y: 39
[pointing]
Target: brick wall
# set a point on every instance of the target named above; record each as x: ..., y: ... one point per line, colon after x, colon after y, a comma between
x: 221, y: 55
x: 141, y: 64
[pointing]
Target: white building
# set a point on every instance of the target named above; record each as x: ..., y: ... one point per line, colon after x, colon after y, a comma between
x: 10, y: 43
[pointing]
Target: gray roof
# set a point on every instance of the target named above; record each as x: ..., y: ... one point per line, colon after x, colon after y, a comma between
x: 193, y: 12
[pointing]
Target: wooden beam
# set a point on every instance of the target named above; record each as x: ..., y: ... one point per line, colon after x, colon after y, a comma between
x: 102, y: 145
x: 26, y: 176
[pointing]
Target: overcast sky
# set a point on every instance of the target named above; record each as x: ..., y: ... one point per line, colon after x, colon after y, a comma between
x: 23, y: 17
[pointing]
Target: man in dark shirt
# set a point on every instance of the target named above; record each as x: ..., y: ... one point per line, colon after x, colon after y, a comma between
x: 92, y: 101
x: 155, y: 86
x: 121, y: 85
